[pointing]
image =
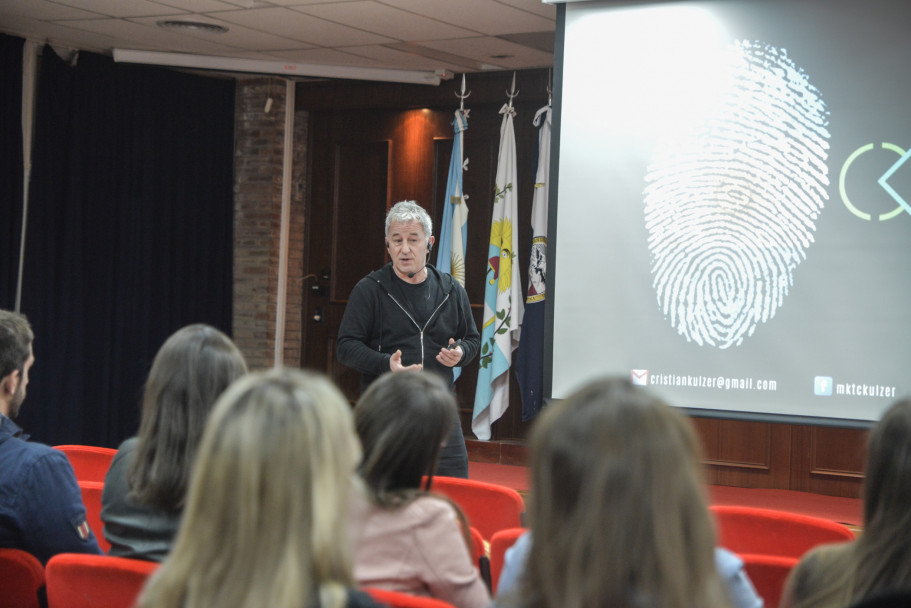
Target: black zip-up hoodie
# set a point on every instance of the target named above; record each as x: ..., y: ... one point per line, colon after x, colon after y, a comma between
x: 377, y: 323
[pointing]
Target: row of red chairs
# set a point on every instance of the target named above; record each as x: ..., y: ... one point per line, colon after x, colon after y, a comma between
x: 73, y: 580
x: 770, y: 542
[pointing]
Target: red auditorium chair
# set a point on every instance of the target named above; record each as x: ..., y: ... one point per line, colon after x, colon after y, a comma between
x: 396, y: 599
x: 90, y: 463
x: 499, y: 543
x: 751, y: 530
x: 76, y: 580
x: 21, y: 579
x: 91, y: 498
x: 489, y: 507
x: 768, y: 573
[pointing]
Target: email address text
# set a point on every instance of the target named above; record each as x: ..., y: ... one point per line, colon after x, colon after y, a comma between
x: 716, y: 382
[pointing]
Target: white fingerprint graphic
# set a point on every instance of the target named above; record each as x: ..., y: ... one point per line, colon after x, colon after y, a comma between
x: 731, y: 207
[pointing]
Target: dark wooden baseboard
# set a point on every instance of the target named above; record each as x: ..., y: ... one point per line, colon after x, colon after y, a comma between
x: 497, y: 452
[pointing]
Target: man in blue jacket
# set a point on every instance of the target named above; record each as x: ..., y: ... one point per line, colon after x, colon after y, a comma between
x: 41, y: 508
x: 409, y: 316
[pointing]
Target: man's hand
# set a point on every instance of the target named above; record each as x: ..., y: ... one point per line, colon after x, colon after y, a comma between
x: 450, y: 357
x: 395, y: 364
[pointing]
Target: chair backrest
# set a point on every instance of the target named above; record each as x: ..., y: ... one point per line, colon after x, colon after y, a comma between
x: 396, y: 599
x: 91, y: 498
x: 768, y: 574
x: 489, y: 507
x: 499, y: 543
x: 76, y: 580
x: 765, y: 531
x: 90, y: 463
x: 21, y: 579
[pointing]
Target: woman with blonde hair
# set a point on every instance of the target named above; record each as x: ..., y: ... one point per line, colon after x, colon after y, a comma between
x: 878, y: 563
x: 146, y: 484
x: 265, y: 519
x: 617, y: 507
x: 405, y: 538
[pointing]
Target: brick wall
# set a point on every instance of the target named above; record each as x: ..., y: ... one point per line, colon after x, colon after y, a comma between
x: 258, y: 148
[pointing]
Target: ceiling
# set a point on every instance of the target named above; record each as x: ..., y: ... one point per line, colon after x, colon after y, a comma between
x: 457, y: 36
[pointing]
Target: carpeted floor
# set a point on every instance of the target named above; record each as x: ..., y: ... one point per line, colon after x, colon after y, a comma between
x: 847, y: 511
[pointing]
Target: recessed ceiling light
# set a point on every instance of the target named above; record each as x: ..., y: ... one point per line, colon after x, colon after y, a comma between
x: 192, y: 26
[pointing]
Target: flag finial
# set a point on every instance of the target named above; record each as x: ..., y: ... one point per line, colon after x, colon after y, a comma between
x: 512, y: 93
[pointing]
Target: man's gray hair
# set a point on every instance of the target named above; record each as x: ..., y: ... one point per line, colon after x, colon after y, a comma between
x: 409, y: 211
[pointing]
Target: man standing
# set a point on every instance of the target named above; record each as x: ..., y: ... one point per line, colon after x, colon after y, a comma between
x: 409, y: 316
x: 41, y: 508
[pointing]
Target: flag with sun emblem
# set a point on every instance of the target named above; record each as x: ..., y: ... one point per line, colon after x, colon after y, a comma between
x: 454, y: 225
x: 503, y: 302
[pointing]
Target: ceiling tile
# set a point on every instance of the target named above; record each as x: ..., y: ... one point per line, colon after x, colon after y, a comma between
x: 412, y: 56
x: 299, y: 26
x: 484, y: 16
x: 202, y: 6
x: 236, y: 36
x: 537, y: 7
x: 132, y: 35
x: 494, y: 51
x: 120, y: 8
x: 385, y: 20
x: 42, y: 10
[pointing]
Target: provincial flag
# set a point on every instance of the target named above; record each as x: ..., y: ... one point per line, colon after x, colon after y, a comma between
x: 503, y: 306
x: 530, y: 355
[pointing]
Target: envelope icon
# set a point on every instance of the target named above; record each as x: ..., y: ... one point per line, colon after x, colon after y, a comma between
x: 639, y: 377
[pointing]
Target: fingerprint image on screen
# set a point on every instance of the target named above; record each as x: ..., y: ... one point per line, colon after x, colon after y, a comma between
x: 731, y: 205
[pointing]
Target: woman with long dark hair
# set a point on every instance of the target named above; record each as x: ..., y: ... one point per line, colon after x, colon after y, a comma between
x: 146, y: 485
x: 406, y: 538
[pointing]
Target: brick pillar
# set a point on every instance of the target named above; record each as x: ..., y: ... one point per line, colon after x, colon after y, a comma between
x: 258, y: 149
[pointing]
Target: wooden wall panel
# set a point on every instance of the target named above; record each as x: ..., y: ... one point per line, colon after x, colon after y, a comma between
x: 748, y: 454
x: 828, y: 460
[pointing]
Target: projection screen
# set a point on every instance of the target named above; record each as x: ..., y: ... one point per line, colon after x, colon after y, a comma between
x: 730, y: 217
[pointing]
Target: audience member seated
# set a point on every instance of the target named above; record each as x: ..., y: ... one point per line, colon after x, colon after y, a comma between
x: 879, y: 561
x: 41, y: 509
x: 146, y: 484
x: 264, y: 523
x: 617, y: 507
x: 406, y: 539
x: 740, y: 589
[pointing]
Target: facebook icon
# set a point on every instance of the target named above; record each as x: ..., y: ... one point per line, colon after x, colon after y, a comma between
x: 822, y: 385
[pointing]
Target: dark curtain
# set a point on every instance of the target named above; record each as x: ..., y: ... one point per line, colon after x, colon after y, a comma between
x: 129, y: 235
x: 10, y: 165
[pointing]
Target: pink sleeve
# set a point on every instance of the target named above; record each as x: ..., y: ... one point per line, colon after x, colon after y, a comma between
x: 451, y: 574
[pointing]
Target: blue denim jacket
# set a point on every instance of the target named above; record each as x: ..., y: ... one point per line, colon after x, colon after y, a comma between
x: 41, y: 509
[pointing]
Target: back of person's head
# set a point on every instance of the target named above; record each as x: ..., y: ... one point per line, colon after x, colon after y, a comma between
x: 402, y: 419
x: 265, y: 518
x: 191, y: 370
x: 884, y: 549
x: 617, y: 509
x: 15, y: 342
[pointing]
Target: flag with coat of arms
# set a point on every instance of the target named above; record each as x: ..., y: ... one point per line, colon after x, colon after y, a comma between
x: 530, y: 356
x: 503, y: 301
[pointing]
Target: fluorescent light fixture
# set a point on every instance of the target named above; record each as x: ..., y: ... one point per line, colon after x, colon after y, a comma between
x: 233, y: 64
